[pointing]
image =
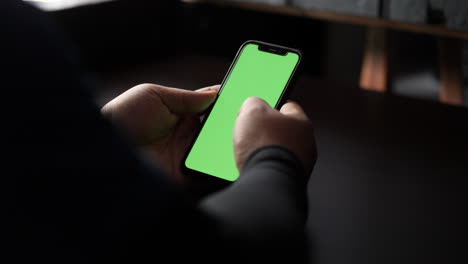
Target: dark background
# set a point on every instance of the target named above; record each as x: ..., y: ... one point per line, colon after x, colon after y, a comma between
x: 390, y: 182
x: 123, y: 33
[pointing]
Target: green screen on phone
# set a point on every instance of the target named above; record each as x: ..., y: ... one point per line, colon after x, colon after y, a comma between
x: 254, y: 73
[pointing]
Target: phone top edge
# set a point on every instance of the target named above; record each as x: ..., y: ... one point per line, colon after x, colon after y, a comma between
x: 258, y: 42
x: 299, y: 52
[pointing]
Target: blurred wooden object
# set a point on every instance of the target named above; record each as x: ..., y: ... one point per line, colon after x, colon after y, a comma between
x: 374, y: 71
x: 451, y: 71
x: 375, y: 66
x: 436, y: 30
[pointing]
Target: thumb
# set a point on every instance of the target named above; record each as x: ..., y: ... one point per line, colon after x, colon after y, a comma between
x: 294, y: 110
x: 181, y: 101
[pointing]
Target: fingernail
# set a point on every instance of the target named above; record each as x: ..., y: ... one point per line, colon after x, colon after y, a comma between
x: 210, y: 91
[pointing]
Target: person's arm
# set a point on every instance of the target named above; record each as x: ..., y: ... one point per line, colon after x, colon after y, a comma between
x: 266, y: 206
x: 73, y: 187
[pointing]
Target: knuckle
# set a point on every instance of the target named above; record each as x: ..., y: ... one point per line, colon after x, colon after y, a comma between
x: 148, y: 86
x: 254, y: 105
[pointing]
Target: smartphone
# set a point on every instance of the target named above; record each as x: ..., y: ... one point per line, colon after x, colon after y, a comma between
x: 259, y: 69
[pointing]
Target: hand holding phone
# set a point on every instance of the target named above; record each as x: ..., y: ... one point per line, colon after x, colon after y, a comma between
x: 258, y: 125
x: 260, y: 70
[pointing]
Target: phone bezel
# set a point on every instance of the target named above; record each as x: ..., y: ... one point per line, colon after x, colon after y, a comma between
x: 263, y: 46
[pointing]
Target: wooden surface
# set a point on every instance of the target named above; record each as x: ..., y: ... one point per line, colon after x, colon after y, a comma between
x: 436, y: 30
x: 390, y: 183
x: 406, y: 15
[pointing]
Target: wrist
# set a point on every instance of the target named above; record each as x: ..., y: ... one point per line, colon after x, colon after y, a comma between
x: 276, y: 154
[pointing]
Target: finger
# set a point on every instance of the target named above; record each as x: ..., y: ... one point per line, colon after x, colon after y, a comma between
x: 187, y: 131
x: 209, y: 88
x: 184, y: 101
x: 294, y: 110
x: 253, y: 105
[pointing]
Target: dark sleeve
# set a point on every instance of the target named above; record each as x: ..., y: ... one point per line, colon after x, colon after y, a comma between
x: 73, y: 189
x: 266, y: 205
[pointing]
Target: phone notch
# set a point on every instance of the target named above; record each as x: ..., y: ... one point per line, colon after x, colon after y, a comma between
x: 272, y: 49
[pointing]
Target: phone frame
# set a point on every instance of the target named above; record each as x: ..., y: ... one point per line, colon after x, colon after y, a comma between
x: 214, y: 181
